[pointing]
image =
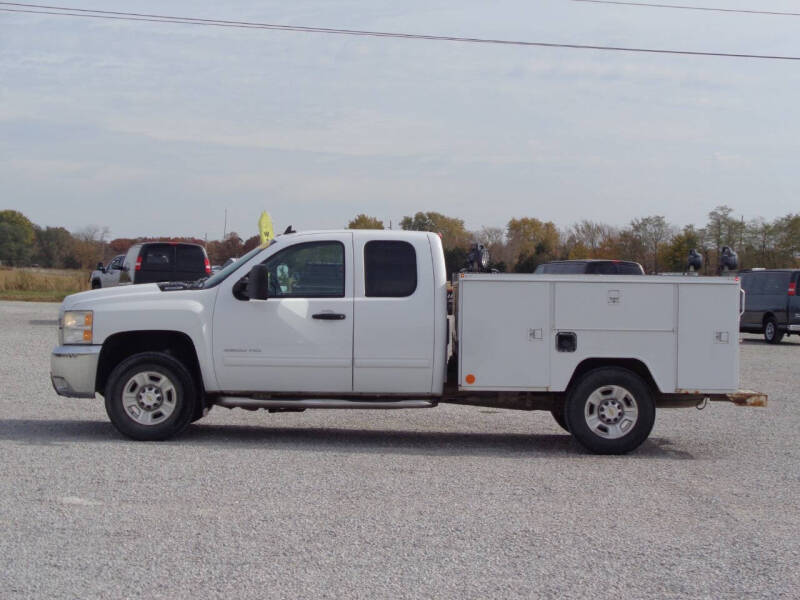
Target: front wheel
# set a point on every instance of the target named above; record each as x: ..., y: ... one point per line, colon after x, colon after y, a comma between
x: 610, y: 411
x: 772, y: 334
x: 150, y: 396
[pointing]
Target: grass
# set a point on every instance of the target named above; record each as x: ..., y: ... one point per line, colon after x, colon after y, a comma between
x: 41, y: 285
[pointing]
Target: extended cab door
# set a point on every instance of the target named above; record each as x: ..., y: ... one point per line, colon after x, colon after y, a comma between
x: 393, y: 341
x: 301, y: 338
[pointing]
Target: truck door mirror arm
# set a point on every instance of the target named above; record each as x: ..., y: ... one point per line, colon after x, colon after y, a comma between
x: 258, y: 283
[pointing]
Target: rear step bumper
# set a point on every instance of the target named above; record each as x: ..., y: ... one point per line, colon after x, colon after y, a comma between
x: 743, y: 398
x: 253, y: 403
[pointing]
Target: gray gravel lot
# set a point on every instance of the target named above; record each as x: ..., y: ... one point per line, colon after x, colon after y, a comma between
x: 453, y: 502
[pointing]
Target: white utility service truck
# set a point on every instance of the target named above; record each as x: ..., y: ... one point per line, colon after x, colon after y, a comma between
x: 359, y: 319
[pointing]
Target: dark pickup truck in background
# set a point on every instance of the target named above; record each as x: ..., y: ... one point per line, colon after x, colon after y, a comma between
x: 153, y: 262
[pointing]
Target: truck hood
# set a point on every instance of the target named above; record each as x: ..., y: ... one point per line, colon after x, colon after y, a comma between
x: 105, y: 295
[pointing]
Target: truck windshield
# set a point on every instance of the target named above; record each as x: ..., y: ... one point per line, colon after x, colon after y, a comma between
x: 222, y: 274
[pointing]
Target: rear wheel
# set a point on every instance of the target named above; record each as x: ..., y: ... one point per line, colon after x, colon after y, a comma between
x: 96, y: 284
x: 150, y: 396
x: 610, y: 411
x: 772, y: 334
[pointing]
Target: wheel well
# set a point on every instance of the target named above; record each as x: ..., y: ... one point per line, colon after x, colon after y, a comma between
x: 766, y: 318
x: 120, y: 346
x: 631, y: 364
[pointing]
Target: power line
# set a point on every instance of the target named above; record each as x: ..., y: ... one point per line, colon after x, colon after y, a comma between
x: 152, y: 18
x: 689, y: 7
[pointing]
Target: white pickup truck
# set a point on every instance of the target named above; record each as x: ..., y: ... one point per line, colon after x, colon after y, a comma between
x: 359, y: 319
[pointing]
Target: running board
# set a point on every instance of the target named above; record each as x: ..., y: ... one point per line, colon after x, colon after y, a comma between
x: 253, y: 403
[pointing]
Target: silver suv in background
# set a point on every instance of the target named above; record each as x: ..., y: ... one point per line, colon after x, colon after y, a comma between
x: 107, y: 276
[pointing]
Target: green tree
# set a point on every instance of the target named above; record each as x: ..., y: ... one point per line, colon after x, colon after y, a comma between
x: 54, y: 247
x: 676, y: 252
x: 653, y: 232
x: 452, y: 230
x: 362, y: 221
x: 17, y: 236
x: 531, y: 242
x: 15, y: 250
x: 789, y: 238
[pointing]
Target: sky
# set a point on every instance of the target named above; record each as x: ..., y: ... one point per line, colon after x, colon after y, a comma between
x: 156, y: 129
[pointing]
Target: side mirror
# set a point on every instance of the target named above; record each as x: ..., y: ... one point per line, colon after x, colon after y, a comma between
x: 100, y: 266
x: 258, y: 283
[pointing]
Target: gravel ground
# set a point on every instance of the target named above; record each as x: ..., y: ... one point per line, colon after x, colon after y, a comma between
x: 453, y: 502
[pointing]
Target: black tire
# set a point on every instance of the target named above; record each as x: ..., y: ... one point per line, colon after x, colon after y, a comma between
x: 610, y: 411
x: 199, y: 412
x: 96, y: 285
x: 772, y: 334
x: 560, y: 418
x: 168, y: 399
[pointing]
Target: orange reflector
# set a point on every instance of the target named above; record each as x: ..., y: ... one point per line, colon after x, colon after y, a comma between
x: 470, y: 378
x: 87, y: 320
x: 87, y: 335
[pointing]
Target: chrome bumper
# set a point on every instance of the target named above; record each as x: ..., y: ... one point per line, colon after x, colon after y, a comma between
x: 73, y: 370
x: 794, y: 327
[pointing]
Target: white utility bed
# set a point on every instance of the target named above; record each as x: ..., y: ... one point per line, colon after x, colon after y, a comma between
x: 684, y: 329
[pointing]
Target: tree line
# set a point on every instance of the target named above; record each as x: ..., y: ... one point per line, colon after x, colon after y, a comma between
x: 23, y: 244
x: 523, y: 244
x: 652, y: 241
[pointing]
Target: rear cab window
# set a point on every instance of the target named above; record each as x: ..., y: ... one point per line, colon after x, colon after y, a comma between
x: 390, y: 269
x: 189, y: 258
x: 158, y: 257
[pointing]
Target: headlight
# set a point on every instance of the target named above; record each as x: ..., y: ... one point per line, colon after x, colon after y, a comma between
x: 77, y: 327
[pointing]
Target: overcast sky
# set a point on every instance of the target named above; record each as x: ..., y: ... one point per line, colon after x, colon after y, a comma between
x: 155, y: 129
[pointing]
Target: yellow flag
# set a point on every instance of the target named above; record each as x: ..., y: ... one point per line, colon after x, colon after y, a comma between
x: 265, y: 227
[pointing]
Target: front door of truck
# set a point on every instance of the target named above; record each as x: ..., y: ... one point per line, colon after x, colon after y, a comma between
x: 301, y: 338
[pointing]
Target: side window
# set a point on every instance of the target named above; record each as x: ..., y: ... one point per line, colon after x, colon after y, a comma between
x: 627, y: 268
x: 602, y: 268
x: 311, y: 270
x: 116, y: 263
x: 572, y: 268
x: 390, y: 269
x: 157, y: 258
x: 776, y: 283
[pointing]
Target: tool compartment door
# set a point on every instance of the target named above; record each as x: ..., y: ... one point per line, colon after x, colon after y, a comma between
x: 708, y: 337
x: 504, y: 335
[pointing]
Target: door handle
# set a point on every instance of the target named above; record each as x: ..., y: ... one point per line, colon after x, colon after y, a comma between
x: 328, y: 316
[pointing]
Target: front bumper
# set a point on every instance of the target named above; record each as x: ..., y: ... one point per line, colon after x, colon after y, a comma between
x: 73, y: 370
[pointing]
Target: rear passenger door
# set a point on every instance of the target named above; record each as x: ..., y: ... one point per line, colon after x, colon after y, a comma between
x: 393, y: 334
